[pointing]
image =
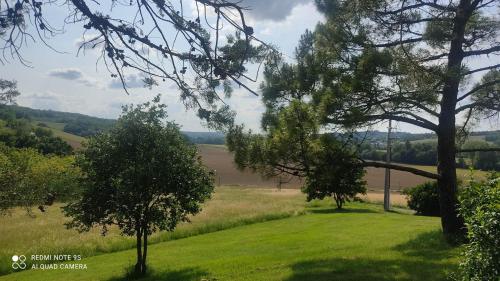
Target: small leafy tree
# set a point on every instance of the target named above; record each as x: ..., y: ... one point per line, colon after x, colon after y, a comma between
x: 480, y: 208
x: 8, y: 91
x: 294, y: 147
x: 141, y: 176
x: 336, y: 174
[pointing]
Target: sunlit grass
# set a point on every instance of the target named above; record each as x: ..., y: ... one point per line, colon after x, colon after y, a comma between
x: 229, y: 207
x: 58, y: 130
x: 359, y: 243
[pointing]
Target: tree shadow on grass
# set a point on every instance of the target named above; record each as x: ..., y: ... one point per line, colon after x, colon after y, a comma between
x: 369, y: 269
x: 186, y: 274
x: 426, y: 259
x: 428, y: 245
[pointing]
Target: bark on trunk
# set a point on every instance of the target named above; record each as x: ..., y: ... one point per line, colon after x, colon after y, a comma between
x: 453, y: 225
x: 145, y: 252
x: 138, y: 265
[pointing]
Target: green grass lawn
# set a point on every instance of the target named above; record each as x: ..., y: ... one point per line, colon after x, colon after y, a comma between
x: 229, y: 207
x: 359, y: 243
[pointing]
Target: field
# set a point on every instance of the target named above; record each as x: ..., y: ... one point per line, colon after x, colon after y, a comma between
x: 250, y: 230
x: 218, y: 158
x: 57, y: 128
x: 229, y: 207
x: 359, y: 243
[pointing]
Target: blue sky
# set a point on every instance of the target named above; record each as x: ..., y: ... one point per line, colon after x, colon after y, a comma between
x: 66, y: 82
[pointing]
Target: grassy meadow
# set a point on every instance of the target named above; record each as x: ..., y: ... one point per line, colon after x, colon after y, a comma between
x: 58, y: 130
x: 359, y: 243
x: 229, y: 207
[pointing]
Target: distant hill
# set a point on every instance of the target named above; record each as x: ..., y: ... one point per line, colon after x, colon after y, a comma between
x: 73, y: 127
x: 72, y: 123
x: 205, y: 137
x: 381, y: 137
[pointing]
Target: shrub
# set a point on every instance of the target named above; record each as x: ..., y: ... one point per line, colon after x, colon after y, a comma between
x: 424, y: 199
x: 28, y: 178
x: 480, y: 208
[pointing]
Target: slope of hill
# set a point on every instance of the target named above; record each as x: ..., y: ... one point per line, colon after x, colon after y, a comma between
x: 57, y: 128
x: 74, y: 127
x: 73, y: 123
x: 359, y: 243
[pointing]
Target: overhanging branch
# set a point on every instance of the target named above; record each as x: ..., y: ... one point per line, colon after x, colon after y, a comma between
x: 412, y: 170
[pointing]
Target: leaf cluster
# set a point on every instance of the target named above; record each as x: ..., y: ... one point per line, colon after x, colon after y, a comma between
x: 142, y: 174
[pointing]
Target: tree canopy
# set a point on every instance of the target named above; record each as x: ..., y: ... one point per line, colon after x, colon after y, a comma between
x: 425, y: 63
x: 141, y: 176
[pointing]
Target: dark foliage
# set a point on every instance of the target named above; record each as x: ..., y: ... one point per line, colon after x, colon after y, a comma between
x: 141, y: 176
x: 19, y: 133
x: 424, y: 199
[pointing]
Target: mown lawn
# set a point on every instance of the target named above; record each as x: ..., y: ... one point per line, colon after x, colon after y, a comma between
x: 360, y: 243
x: 230, y: 206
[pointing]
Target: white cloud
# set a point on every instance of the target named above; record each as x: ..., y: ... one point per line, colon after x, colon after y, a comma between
x: 132, y: 81
x: 74, y: 74
x: 275, y: 10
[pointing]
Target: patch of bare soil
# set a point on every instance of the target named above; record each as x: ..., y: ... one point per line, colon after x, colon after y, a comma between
x: 221, y: 160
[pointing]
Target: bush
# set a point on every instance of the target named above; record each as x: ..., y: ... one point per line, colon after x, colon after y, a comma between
x: 480, y: 208
x: 28, y: 178
x: 424, y: 199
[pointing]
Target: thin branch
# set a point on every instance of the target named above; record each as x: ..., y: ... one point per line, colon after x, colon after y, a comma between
x: 482, y: 52
x: 475, y: 89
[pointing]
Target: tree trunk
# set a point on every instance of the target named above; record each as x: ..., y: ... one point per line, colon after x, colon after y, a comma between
x: 138, y: 265
x: 452, y: 223
x: 338, y: 201
x: 145, y: 252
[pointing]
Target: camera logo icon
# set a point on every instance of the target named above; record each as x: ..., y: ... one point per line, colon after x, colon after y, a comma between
x: 18, y: 262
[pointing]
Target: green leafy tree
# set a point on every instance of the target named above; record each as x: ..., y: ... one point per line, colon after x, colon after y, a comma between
x: 480, y: 207
x: 8, y: 91
x: 141, y: 176
x: 480, y: 157
x: 295, y: 148
x: 337, y: 174
x: 28, y: 179
x: 424, y: 199
x: 418, y: 62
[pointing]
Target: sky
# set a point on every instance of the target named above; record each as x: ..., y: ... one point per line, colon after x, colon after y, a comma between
x: 67, y: 81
